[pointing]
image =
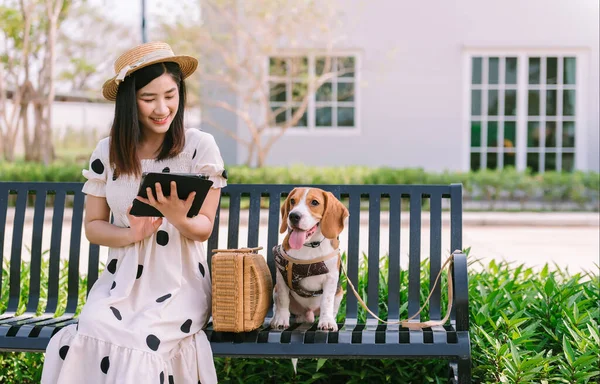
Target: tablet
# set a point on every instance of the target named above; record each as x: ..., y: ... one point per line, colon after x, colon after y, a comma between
x: 186, y: 184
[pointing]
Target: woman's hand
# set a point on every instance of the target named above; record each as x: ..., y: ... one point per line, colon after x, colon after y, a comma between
x: 142, y: 227
x: 173, y: 208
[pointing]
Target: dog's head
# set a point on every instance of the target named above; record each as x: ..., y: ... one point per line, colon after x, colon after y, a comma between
x: 307, y: 211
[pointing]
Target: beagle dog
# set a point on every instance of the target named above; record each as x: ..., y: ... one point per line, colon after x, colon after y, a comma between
x: 308, y: 261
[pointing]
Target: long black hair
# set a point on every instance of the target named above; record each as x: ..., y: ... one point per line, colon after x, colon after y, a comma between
x: 125, y: 133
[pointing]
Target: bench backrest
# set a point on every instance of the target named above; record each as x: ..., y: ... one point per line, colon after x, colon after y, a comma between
x: 248, y: 209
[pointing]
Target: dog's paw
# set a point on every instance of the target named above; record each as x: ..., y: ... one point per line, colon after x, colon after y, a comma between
x: 327, y: 324
x: 280, y: 321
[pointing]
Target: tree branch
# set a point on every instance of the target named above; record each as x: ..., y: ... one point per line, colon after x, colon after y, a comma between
x: 228, y: 132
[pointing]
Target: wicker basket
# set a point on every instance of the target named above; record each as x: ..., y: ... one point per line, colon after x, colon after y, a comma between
x: 242, y: 288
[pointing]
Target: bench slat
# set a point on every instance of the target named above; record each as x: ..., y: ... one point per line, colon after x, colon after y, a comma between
x: 93, y: 266
x: 273, y: 235
x: 55, y: 247
x: 394, y: 257
x: 74, y: 250
x: 16, y: 249
x: 435, y: 252
x: 213, y: 240
x: 353, y: 255
x: 36, y: 251
x: 373, y: 263
x: 254, y: 219
x: 456, y: 217
x: 3, y: 209
x: 234, y: 220
x: 414, y: 267
x: 455, y: 226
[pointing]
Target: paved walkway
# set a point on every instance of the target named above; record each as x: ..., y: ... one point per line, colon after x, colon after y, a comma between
x: 566, y: 240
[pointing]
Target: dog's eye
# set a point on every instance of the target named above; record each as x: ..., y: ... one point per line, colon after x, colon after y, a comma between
x: 293, y: 201
x: 314, y: 203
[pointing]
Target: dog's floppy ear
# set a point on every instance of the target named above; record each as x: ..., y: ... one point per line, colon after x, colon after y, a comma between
x: 332, y: 222
x: 285, y: 210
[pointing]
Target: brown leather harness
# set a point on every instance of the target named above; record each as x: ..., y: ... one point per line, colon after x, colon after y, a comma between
x: 295, y: 270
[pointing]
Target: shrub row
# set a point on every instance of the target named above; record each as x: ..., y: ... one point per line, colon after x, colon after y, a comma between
x: 526, y: 326
x: 580, y: 189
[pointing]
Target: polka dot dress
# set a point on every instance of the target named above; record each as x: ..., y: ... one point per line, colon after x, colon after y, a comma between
x: 143, y: 320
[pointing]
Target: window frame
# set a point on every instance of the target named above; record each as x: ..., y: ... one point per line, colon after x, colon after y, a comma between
x: 522, y: 87
x: 313, y: 104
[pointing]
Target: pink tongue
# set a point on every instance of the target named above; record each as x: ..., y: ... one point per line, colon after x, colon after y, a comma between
x: 297, y: 238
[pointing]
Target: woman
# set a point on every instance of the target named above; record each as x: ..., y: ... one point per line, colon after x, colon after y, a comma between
x: 143, y: 319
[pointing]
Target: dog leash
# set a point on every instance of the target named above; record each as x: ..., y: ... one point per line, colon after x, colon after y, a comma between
x: 408, y: 323
x: 238, y: 250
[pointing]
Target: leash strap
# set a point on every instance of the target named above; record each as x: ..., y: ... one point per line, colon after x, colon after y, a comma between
x: 310, y: 261
x: 238, y: 250
x: 408, y: 323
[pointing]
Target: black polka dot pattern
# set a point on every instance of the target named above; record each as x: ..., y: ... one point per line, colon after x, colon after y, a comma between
x: 162, y: 377
x: 97, y: 166
x: 162, y: 237
x: 139, y: 271
x: 114, y: 284
x: 105, y: 365
x: 153, y: 342
x: 171, y: 380
x: 201, y: 267
x: 185, y: 327
x: 224, y: 174
x: 116, y: 312
x: 194, y: 155
x: 114, y: 177
x: 166, y: 170
x: 112, y: 266
x: 62, y: 352
x: 163, y: 298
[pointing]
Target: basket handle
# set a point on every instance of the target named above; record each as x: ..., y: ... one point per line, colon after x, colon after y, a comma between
x: 239, y: 250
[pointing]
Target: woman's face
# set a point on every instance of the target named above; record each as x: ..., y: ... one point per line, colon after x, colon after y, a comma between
x: 157, y: 105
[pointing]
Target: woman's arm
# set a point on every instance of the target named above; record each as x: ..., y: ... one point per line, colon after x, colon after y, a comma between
x: 99, y: 230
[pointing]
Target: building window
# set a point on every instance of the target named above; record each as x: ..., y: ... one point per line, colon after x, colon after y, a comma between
x: 536, y: 104
x: 325, y: 87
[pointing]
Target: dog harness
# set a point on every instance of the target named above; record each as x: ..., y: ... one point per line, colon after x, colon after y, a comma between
x: 295, y: 270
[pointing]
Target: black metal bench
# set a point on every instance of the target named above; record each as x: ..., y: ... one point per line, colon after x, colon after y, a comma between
x: 30, y: 331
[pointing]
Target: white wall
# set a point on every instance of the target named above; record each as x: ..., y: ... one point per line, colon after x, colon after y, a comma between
x: 412, y: 55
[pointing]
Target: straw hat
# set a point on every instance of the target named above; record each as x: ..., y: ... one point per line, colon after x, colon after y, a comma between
x: 143, y: 56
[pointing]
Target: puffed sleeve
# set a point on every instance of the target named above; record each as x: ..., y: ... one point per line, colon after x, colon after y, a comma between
x: 98, y: 170
x: 207, y: 160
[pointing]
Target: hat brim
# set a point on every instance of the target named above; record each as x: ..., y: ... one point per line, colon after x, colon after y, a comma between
x: 188, y: 65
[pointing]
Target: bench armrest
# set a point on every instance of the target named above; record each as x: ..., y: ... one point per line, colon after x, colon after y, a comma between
x: 460, y: 279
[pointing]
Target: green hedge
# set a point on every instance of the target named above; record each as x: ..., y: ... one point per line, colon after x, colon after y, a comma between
x: 526, y: 326
x: 580, y: 189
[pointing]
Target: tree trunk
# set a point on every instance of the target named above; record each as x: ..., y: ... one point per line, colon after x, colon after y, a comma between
x: 47, y: 150
x: 260, y: 159
x: 8, y: 149
x: 24, y: 119
x: 250, y: 155
x: 38, y: 132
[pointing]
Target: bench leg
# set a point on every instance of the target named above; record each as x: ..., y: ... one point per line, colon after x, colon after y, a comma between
x: 460, y: 371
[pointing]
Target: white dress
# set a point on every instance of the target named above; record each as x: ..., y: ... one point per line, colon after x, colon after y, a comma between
x: 144, y: 317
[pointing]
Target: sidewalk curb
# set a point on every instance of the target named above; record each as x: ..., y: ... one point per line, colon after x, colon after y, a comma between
x: 478, y: 219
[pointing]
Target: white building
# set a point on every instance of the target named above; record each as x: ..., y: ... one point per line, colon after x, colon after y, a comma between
x: 453, y: 85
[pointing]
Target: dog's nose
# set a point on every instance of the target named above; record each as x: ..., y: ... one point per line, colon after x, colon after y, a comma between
x: 294, y: 217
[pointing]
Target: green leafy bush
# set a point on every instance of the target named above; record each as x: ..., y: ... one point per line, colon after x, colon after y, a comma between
x: 580, y: 189
x: 526, y: 326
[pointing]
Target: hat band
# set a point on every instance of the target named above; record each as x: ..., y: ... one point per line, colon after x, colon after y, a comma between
x: 158, y: 54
